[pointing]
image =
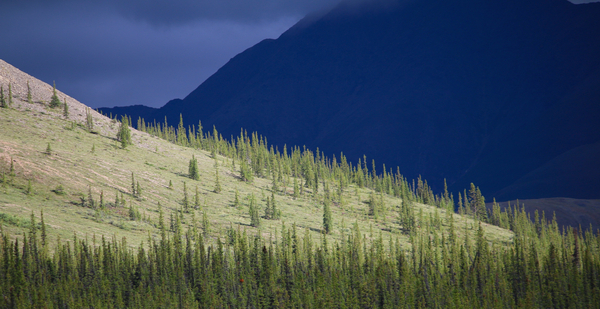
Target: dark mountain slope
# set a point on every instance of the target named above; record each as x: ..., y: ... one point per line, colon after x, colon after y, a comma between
x: 462, y: 90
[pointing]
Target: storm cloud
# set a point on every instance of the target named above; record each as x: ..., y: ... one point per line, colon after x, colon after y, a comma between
x: 116, y: 53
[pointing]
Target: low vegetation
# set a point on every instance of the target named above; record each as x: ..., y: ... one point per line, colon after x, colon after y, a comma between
x: 96, y: 213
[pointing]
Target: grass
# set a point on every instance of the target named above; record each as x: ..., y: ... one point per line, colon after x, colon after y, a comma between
x: 61, y: 180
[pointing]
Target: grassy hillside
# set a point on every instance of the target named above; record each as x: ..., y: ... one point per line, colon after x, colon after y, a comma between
x: 81, y: 162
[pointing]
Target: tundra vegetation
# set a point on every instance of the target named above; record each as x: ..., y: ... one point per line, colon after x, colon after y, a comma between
x: 267, y: 227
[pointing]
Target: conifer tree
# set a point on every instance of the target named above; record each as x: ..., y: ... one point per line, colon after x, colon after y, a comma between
x: 245, y: 172
x: 186, y: 205
x: 133, y: 213
x: 181, y: 133
x: 124, y: 133
x: 217, y: 182
x: 253, y: 211
x: 373, y: 206
x: 89, y: 120
x: 2, y: 99
x: 44, y: 234
x: 327, y: 220
x: 268, y: 211
x: 12, y: 167
x: 205, y: 223
x: 296, y: 189
x: 29, y: 99
x: 193, y: 169
x: 117, y: 199
x: 236, y: 201
x: 170, y: 185
x: 65, y: 109
x: 161, y: 222
x: 477, y: 202
x: 275, y: 212
x: 407, y: 217
x: 54, y: 101
x: 197, y: 199
x: 133, y: 193
x: 90, y: 198
x: 48, y: 150
x: 10, y: 96
x: 101, y: 199
x: 138, y: 189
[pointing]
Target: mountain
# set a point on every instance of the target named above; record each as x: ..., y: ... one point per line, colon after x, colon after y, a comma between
x: 490, y: 92
x: 86, y: 220
x: 85, y: 166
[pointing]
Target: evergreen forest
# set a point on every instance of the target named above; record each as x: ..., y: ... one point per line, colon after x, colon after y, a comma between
x: 243, y: 224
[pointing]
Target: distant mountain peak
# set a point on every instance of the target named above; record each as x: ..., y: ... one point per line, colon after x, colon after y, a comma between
x: 455, y: 90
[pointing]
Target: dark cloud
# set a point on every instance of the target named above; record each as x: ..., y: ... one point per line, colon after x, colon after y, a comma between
x: 175, y: 12
x: 137, y: 52
x: 108, y: 53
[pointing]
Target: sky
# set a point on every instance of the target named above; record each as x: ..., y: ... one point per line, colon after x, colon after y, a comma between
x: 118, y: 53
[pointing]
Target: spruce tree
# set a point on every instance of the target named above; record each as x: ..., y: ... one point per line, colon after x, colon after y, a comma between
x: 48, y: 150
x: 54, y: 101
x: 217, y: 182
x: 197, y: 199
x: 101, y: 199
x: 161, y: 222
x: 245, y: 172
x: 2, y: 99
x: 373, y: 206
x: 10, y: 97
x: 138, y: 189
x: 477, y: 202
x: 296, y: 189
x: 29, y: 99
x: 253, y: 211
x: 90, y: 198
x: 44, y: 233
x: 205, y: 223
x: 186, y: 204
x: 407, y: 216
x: 268, y: 211
x: 236, y: 201
x: 124, y: 133
x: 133, y: 193
x: 89, y: 120
x: 275, y: 212
x: 181, y: 133
x: 327, y: 220
x: 65, y: 109
x: 117, y: 199
x: 193, y: 169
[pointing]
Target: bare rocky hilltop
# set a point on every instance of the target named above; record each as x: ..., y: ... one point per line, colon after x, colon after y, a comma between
x: 41, y: 94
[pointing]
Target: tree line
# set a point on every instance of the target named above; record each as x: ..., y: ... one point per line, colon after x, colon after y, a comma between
x: 544, y: 267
